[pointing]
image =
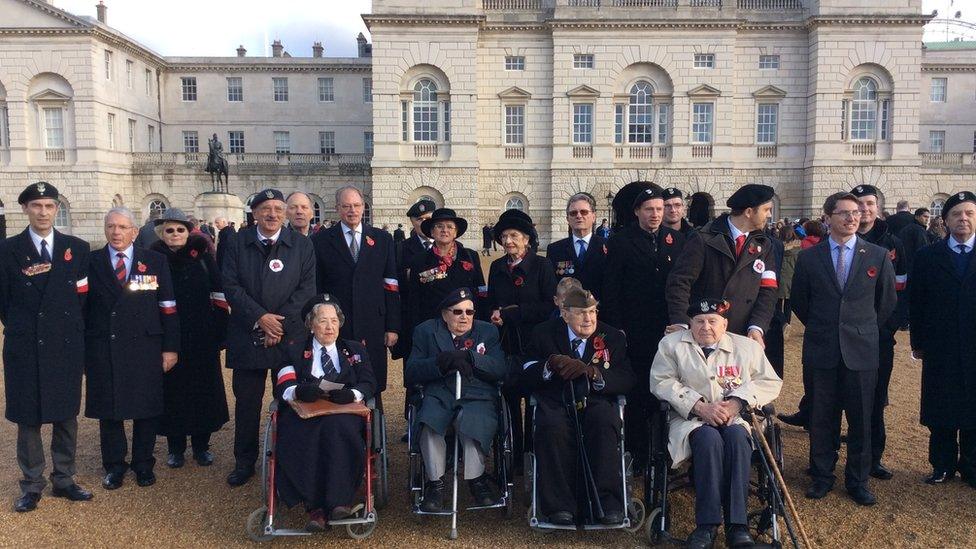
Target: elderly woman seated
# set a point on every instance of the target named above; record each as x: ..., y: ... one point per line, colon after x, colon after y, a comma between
x: 320, y: 460
x: 709, y: 376
x: 456, y: 342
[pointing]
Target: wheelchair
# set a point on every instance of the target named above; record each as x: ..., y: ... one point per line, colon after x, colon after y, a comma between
x: 499, y: 465
x: 660, y: 481
x: 261, y: 524
x: 635, y: 509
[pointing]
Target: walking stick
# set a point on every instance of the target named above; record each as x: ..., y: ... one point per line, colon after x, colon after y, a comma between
x: 768, y: 452
x: 457, y: 435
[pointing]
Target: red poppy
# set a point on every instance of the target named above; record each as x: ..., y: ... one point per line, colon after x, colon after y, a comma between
x: 442, y: 268
x: 599, y: 344
x: 669, y: 239
x: 752, y: 248
x: 872, y: 272
x: 468, y: 343
x: 604, y: 249
x: 141, y: 267
x: 67, y: 254
x: 194, y: 253
x: 467, y: 265
x: 370, y: 241
x: 892, y: 255
x: 308, y: 353
x: 519, y: 281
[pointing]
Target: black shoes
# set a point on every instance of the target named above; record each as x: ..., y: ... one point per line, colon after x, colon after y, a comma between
x: 145, y: 478
x: 737, y: 535
x: 612, y: 518
x: 204, y: 459
x: 481, y: 491
x: 239, y: 476
x: 797, y: 420
x: 175, y: 461
x: 881, y: 472
x: 340, y: 512
x: 73, y: 493
x: 433, y: 497
x: 818, y: 490
x: 113, y: 480
x: 940, y: 476
x: 562, y: 518
x: 703, y: 537
x: 862, y: 496
x: 27, y: 502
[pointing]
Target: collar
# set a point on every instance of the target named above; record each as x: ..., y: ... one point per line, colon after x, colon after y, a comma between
x: 347, y: 228
x: 276, y: 237
x: 573, y: 335
x: 954, y: 244
x: 724, y: 344
x: 734, y: 231
x: 586, y: 239
x: 36, y: 239
x: 423, y: 240
x: 849, y: 245
x: 129, y: 252
x: 317, y: 347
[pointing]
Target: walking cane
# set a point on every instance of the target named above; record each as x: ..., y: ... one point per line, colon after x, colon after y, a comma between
x: 592, y: 494
x: 454, y: 497
x: 768, y: 452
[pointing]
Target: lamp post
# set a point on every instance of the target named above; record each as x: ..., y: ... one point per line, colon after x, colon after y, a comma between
x: 610, y: 208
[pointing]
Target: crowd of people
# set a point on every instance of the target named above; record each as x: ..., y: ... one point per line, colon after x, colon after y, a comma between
x: 654, y: 309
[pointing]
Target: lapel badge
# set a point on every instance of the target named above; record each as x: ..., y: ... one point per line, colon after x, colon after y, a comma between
x: 370, y: 241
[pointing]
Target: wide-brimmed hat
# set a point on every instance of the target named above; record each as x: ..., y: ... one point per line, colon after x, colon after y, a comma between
x: 623, y: 202
x: 513, y: 219
x: 174, y: 215
x: 444, y: 214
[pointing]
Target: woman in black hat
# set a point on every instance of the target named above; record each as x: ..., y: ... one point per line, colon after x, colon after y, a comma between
x: 193, y: 391
x: 521, y: 286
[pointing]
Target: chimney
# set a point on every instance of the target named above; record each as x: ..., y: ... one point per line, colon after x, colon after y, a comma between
x: 317, y: 49
x: 241, y: 52
x: 361, y: 40
x: 276, y: 48
x: 102, y: 10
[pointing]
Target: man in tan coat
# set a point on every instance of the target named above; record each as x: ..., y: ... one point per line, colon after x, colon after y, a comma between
x: 708, y: 376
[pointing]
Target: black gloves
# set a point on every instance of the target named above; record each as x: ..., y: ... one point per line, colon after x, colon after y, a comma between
x: 342, y: 396
x: 445, y: 362
x: 449, y: 361
x: 308, y: 392
x: 566, y: 367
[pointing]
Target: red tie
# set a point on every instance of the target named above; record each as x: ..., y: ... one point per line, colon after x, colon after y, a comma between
x: 740, y: 242
x: 120, y: 268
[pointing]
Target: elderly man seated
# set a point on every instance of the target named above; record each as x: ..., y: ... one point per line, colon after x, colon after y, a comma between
x: 708, y: 376
x: 456, y: 342
x: 575, y: 357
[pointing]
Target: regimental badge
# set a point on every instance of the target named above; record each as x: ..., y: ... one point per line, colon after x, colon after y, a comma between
x: 704, y: 306
x: 41, y: 187
x: 759, y: 266
x: 859, y: 189
x: 422, y: 208
x: 481, y: 349
x: 463, y: 294
x: 269, y: 194
x: 962, y: 196
x: 67, y: 254
x: 276, y: 265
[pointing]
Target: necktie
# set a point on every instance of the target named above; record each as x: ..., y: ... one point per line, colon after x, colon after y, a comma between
x: 707, y: 351
x: 45, y: 254
x: 120, y: 273
x: 328, y: 367
x: 962, y: 259
x: 582, y: 248
x: 353, y: 245
x: 268, y: 242
x: 576, y: 347
x: 427, y: 244
x: 458, y: 343
x: 841, y: 267
x: 740, y: 242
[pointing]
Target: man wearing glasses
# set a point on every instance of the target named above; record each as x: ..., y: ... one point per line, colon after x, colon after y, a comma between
x: 583, y: 255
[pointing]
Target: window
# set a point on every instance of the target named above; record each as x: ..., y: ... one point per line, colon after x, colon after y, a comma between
x: 282, y: 141
x: 425, y: 111
x: 663, y: 123
x: 156, y: 207
x: 110, y: 126
x: 404, y: 121
x: 583, y: 61
x: 514, y: 63
x: 132, y: 135
x: 767, y: 116
x: 704, y: 60
x: 768, y: 62
x: 108, y: 65
x: 864, y: 110
x: 515, y: 203
x: 151, y: 139
x: 583, y: 123
x: 189, y: 88
x: 974, y: 134
x: 327, y: 142
x: 148, y: 82
x: 326, y: 90
x: 514, y: 124
x: 618, y: 124
x: 368, y: 143
x: 4, y: 127
x: 938, y: 92
x: 54, y: 128
x: 280, y: 87
x: 61, y: 221
x: 235, y: 89
x: 701, y: 122
x: 447, y: 121
x: 128, y: 73
x: 191, y: 142
x: 235, y: 140
x: 316, y: 211
x: 937, y: 141
x: 367, y: 90
x: 640, y: 113
x: 885, y: 119
x: 935, y: 209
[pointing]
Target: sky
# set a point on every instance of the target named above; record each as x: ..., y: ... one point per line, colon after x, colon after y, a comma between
x: 217, y: 27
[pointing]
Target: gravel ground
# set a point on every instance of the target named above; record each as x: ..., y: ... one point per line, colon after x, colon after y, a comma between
x: 194, y: 507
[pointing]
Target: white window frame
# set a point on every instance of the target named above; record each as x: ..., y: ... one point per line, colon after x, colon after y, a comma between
x: 702, y: 122
x: 584, y: 61
x: 151, y: 137
x: 367, y: 90
x: 62, y: 219
x: 939, y: 89
x: 426, y: 112
x: 767, y: 123
x: 235, y: 89
x: 128, y: 73
x: 663, y: 123
x: 640, y: 126
x: 619, y: 119
x: 53, y: 132
x: 132, y: 135
x: 282, y: 142
x: 937, y: 141
x: 768, y: 62
x: 235, y: 141
x: 583, y: 123
x: 326, y: 88
x: 108, y: 65
x: 515, y: 203
x: 191, y: 141
x: 863, y: 117
x: 513, y: 124
x: 148, y: 74
x: 327, y: 142
x: 279, y: 89
x: 188, y: 88
x: 704, y: 61
x: 515, y: 62
x: 110, y: 127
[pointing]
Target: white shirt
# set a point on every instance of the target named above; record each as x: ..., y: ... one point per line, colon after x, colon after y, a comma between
x: 954, y: 244
x: 274, y: 237
x: 425, y: 242
x: 576, y: 241
x: 318, y: 371
x: 113, y: 258
x: 36, y: 239
x: 357, y: 234
x: 734, y: 230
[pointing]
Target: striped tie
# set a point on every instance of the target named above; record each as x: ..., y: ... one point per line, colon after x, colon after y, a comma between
x: 120, y: 274
x: 45, y: 254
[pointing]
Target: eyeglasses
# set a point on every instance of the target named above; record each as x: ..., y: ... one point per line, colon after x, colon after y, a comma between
x: 445, y: 226
x: 172, y: 230
x: 578, y: 213
x: 459, y: 312
x: 851, y: 214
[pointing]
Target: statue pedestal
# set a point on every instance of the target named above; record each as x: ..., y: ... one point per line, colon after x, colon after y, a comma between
x: 213, y: 204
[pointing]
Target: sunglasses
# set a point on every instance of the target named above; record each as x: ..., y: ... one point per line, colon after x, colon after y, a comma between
x: 459, y: 312
x: 172, y: 230
x: 579, y: 213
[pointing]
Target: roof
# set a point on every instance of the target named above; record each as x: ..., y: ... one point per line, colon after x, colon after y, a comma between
x: 953, y: 45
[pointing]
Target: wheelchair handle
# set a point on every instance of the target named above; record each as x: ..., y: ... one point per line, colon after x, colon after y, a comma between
x: 457, y: 385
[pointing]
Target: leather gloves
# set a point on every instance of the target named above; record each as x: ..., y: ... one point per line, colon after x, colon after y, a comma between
x: 308, y: 392
x: 450, y: 361
x: 566, y: 367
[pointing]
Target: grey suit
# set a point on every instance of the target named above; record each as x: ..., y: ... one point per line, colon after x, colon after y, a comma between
x: 840, y: 349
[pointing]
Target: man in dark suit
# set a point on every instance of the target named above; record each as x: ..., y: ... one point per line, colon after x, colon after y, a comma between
x: 225, y: 233
x: 269, y: 274
x: 901, y: 218
x: 398, y: 234
x: 147, y: 234
x: 576, y: 355
x: 132, y: 337
x: 43, y: 285
x: 583, y: 255
x: 356, y: 264
x: 843, y: 292
x: 406, y: 251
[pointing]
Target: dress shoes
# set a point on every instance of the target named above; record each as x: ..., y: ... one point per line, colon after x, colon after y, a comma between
x: 862, y: 496
x: 796, y: 420
x: 738, y: 535
x: 204, y: 458
x: 113, y: 480
x: 27, y: 502
x: 239, y: 476
x: 939, y: 476
x: 703, y: 537
x: 481, y: 491
x: 73, y: 493
x: 433, y: 497
x: 316, y: 521
x: 818, y: 490
x: 612, y: 518
x: 175, y: 461
x: 881, y: 472
x: 145, y: 478
x: 340, y: 512
x: 562, y: 518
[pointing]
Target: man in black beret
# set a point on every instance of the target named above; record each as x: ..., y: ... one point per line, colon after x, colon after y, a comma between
x: 674, y: 211
x: 730, y: 256
x: 416, y: 244
x: 43, y: 286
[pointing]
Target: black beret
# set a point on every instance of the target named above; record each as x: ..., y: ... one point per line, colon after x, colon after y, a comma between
x: 671, y: 192
x: 708, y: 306
x: 649, y: 193
x: 421, y: 207
x: 319, y: 299
x: 37, y: 190
x: 955, y: 200
x: 265, y: 195
x: 864, y: 190
x: 750, y: 196
x: 455, y: 297
x: 623, y: 201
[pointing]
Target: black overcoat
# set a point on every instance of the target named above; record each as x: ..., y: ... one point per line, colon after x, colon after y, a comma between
x: 428, y: 285
x: 524, y: 296
x: 879, y: 235
x: 405, y: 253
x: 589, y: 271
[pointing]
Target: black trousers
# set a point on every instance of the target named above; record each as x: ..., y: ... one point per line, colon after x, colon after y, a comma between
x: 200, y: 442
x: 953, y: 450
x: 115, y: 446
x: 886, y: 363
x: 722, y: 456
x: 559, y: 477
x: 773, y: 337
x: 641, y: 405
x: 851, y: 392
x: 248, y: 388
x: 30, y: 455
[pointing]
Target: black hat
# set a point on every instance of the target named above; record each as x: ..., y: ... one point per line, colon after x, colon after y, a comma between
x: 37, y: 190
x: 672, y: 192
x: 174, y: 215
x: 623, y: 202
x: 318, y: 299
x: 444, y: 214
x: 455, y: 297
x: 578, y: 297
x: 750, y: 196
x: 864, y: 190
x: 421, y: 207
x: 649, y: 193
x: 513, y: 219
x: 955, y: 200
x: 708, y: 306
x: 265, y: 195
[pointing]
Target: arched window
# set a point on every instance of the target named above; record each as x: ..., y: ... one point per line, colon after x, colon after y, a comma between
x: 864, y: 110
x: 938, y: 203
x: 425, y: 106
x: 156, y: 208
x: 367, y: 213
x: 640, y: 113
x: 62, y: 220
x: 425, y: 111
x: 316, y: 212
x: 515, y: 203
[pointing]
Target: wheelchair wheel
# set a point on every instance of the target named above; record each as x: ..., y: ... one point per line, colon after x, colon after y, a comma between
x: 636, y: 512
x: 381, y: 486
x: 266, y: 456
x: 255, y: 525
x: 362, y: 530
x: 654, y: 526
x: 509, y: 510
